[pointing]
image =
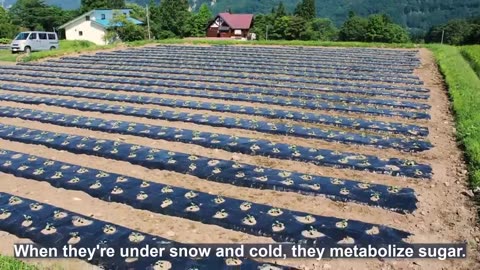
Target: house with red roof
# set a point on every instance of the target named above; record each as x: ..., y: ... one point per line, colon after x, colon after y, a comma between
x: 230, y: 25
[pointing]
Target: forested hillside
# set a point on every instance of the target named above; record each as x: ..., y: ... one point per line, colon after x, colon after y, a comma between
x: 417, y: 15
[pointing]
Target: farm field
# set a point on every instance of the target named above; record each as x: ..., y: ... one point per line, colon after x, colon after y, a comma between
x: 233, y: 144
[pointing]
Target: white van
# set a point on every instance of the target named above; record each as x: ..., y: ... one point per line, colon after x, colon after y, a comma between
x: 35, y: 41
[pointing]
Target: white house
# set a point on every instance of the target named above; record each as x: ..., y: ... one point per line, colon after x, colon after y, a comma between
x: 92, y: 26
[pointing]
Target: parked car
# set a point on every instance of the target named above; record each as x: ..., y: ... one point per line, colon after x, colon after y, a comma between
x: 35, y: 41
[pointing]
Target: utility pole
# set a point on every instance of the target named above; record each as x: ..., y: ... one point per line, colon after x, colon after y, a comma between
x: 148, y: 23
x: 443, y: 34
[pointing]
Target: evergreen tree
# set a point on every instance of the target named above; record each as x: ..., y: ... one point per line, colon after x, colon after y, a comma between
x: 204, y: 16
x: 306, y: 9
x: 280, y: 11
x: 197, y: 23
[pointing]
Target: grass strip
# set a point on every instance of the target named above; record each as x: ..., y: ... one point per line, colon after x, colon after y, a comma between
x: 472, y: 54
x: 464, y: 89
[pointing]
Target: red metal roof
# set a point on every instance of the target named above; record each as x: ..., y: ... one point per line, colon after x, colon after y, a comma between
x: 237, y: 21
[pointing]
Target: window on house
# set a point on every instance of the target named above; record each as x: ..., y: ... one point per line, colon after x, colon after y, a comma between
x: 103, y: 16
x: 87, y: 18
x: 42, y: 35
x: 80, y: 33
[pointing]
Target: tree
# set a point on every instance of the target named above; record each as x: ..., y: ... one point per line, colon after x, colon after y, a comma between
x: 138, y: 12
x: 321, y: 29
x: 260, y: 26
x: 375, y: 28
x: 279, y: 29
x: 123, y: 28
x: 306, y: 9
x: 455, y: 32
x: 36, y: 15
x: 395, y: 33
x: 198, y: 22
x: 173, y: 17
x: 280, y: 11
x: 296, y: 28
x: 7, y: 29
x: 87, y: 5
x: 353, y: 29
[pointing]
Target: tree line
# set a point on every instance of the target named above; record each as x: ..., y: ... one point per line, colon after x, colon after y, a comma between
x: 173, y: 18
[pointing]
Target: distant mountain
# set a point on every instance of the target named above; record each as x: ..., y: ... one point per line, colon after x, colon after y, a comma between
x: 417, y: 15
x: 66, y: 4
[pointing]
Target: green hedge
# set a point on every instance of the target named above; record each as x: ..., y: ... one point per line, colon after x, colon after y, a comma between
x: 464, y: 89
x: 5, y: 41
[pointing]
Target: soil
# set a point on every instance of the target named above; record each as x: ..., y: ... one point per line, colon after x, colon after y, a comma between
x: 444, y: 214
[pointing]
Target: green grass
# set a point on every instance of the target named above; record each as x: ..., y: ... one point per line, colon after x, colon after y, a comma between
x: 66, y: 47
x: 10, y: 263
x: 472, y: 54
x: 464, y: 89
x: 6, y: 55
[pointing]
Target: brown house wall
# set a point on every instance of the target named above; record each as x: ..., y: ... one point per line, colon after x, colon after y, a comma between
x: 213, y: 32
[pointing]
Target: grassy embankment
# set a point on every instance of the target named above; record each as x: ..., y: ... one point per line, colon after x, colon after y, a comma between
x: 66, y: 47
x: 472, y: 54
x: 464, y: 89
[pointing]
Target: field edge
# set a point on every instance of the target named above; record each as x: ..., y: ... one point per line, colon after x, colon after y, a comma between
x: 464, y: 91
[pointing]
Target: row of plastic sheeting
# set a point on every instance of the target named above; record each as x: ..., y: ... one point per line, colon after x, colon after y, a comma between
x: 366, y: 53
x: 339, y: 121
x: 314, y: 101
x: 234, y: 56
x: 282, y: 225
x: 403, y: 144
x: 245, y: 74
x: 402, y: 200
x: 78, y: 80
x: 274, y: 56
x: 278, y: 66
x: 361, y: 53
x: 190, y: 76
x: 198, y: 166
x: 53, y: 227
x: 206, y: 64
